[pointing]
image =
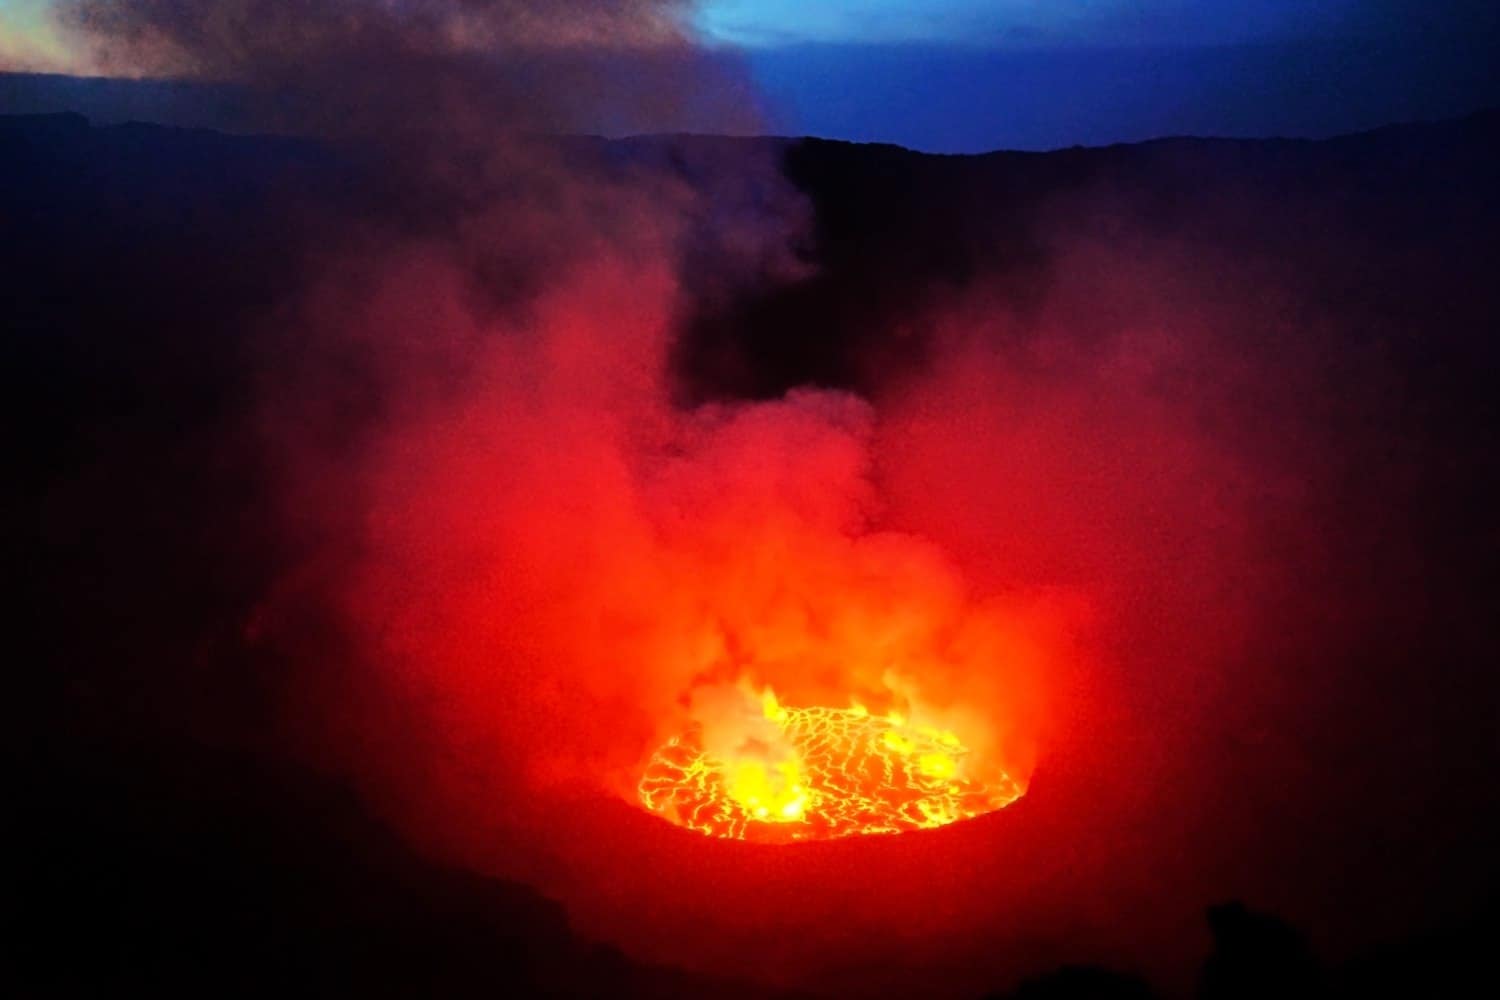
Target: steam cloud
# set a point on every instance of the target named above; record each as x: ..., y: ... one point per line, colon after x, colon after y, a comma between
x: 542, y: 559
x: 455, y: 69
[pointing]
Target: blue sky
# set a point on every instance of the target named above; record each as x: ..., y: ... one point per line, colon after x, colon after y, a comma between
x: 1017, y: 23
x: 974, y: 75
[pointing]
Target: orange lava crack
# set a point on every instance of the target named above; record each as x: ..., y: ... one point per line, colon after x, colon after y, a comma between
x: 852, y: 773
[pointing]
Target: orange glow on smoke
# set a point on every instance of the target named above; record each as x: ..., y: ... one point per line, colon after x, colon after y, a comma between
x: 822, y: 773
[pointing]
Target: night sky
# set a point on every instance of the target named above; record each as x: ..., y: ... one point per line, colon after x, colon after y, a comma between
x: 976, y: 75
x: 971, y: 75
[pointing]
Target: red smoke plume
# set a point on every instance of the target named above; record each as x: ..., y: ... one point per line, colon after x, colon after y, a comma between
x: 548, y: 567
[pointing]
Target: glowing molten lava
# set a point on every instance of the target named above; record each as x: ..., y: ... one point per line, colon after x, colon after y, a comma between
x: 822, y: 773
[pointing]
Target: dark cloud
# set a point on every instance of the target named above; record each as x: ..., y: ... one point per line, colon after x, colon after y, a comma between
x: 462, y: 66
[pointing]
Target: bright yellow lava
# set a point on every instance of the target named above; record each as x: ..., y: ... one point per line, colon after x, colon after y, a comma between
x: 843, y: 772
